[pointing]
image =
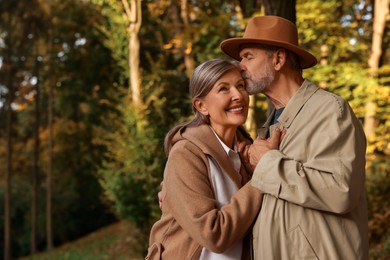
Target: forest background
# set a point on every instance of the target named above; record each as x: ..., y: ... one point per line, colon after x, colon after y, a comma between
x: 89, y: 88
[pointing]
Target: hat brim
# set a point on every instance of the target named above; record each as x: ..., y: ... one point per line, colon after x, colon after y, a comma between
x: 232, y: 47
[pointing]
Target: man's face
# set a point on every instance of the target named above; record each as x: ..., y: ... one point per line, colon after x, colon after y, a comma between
x: 256, y: 69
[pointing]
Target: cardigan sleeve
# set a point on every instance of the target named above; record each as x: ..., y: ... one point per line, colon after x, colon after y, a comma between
x: 190, y: 198
x: 322, y: 163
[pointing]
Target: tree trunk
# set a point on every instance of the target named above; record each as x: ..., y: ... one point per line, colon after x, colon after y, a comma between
x: 50, y: 108
x: 8, y: 174
x: 187, y: 43
x: 35, y: 172
x: 134, y: 15
x: 381, y: 12
x: 282, y: 8
x: 181, y: 41
x: 324, y: 62
x: 247, y: 8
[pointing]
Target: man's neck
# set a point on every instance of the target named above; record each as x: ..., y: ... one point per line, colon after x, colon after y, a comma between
x: 282, y: 90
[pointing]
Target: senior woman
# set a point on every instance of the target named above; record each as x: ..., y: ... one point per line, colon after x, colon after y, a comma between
x: 209, y: 206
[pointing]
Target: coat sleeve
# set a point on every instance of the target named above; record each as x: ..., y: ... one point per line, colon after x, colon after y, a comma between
x: 190, y: 198
x: 325, y: 169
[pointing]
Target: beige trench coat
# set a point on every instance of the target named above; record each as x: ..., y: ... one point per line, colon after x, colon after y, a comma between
x: 315, y: 206
x: 190, y: 217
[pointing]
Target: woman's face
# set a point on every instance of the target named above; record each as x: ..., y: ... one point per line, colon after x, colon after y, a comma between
x: 227, y: 102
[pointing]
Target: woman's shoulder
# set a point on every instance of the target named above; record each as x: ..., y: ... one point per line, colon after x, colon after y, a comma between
x: 185, y: 148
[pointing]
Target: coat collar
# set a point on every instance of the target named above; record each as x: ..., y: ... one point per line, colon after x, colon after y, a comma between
x: 203, y: 137
x: 296, y: 103
x: 305, y: 91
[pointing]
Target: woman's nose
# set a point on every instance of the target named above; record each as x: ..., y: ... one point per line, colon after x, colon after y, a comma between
x: 236, y: 94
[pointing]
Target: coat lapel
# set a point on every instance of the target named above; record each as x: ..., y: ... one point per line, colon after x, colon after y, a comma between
x: 206, y: 140
x: 290, y: 112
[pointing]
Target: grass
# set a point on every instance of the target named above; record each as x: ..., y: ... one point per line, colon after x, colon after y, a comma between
x: 123, y: 241
x: 119, y: 241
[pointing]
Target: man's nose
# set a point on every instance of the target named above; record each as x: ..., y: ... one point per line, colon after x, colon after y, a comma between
x: 242, y: 65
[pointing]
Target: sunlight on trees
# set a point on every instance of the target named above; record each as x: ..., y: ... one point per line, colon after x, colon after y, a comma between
x: 102, y: 151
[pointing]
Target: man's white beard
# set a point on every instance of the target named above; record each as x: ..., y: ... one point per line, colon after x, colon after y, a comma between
x: 256, y: 85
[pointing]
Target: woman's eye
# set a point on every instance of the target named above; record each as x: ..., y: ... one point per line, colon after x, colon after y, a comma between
x: 241, y: 86
x: 223, y: 88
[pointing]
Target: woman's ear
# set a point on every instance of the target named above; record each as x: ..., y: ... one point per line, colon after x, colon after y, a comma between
x: 200, y: 106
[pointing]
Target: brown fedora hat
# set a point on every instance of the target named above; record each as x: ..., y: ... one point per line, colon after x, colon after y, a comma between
x: 269, y: 30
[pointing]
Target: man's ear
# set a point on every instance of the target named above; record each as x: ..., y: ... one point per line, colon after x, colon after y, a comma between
x: 200, y: 106
x: 279, y: 58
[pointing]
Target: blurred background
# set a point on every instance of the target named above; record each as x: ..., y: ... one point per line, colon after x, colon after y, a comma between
x: 89, y: 88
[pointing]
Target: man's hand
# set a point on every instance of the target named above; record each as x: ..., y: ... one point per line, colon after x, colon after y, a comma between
x: 251, y: 154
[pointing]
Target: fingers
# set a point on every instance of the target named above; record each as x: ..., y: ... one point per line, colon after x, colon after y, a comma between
x: 282, y: 135
x: 252, y: 154
x: 241, y: 146
x: 258, y: 141
x: 275, y: 139
x: 244, y: 153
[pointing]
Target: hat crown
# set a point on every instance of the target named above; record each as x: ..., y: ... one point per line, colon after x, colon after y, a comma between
x: 273, y: 31
x: 271, y: 28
